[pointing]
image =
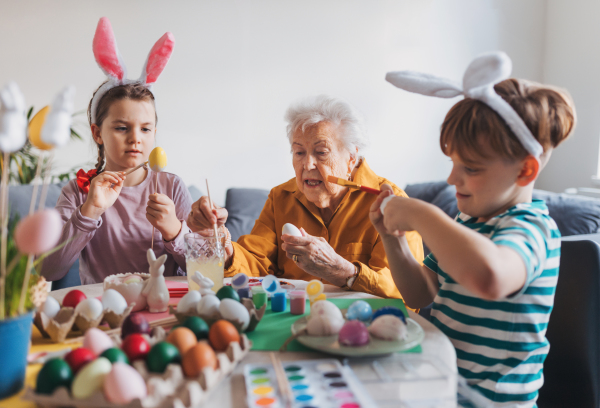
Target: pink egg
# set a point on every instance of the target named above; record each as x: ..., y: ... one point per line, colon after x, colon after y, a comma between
x: 354, y: 333
x: 124, y: 384
x: 97, y: 341
x: 39, y: 232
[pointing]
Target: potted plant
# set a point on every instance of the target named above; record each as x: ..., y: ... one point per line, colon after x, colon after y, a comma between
x: 21, y: 241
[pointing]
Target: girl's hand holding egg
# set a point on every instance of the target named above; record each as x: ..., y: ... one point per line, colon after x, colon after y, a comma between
x: 104, y: 190
x: 161, y: 214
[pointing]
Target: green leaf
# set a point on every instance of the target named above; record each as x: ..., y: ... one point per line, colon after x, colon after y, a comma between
x: 29, y: 113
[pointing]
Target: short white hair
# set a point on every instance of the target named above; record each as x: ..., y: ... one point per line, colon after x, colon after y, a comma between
x: 323, y: 108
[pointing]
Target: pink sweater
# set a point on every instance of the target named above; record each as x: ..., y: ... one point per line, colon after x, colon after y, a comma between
x: 118, y: 241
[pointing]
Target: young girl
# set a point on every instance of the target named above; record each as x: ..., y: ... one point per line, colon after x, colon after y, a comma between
x: 109, y: 219
x: 492, y: 273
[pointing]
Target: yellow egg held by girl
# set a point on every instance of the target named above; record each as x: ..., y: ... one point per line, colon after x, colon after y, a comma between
x: 157, y: 159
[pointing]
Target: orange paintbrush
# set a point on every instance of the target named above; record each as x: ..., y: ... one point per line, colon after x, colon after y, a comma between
x: 351, y: 184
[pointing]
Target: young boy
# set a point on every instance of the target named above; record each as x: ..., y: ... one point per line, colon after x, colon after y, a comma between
x: 492, y: 272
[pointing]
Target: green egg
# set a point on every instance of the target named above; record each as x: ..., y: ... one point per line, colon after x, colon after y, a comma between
x: 198, y: 326
x: 115, y: 355
x: 227, y: 292
x: 161, y: 355
x: 55, y: 373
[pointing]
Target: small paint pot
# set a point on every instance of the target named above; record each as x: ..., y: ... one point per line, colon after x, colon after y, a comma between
x: 259, y: 296
x: 244, y: 293
x: 271, y: 284
x: 239, y: 281
x: 278, y: 302
x: 297, y: 302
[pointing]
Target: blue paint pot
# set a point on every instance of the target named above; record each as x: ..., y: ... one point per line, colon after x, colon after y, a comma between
x: 278, y: 302
x: 15, y: 336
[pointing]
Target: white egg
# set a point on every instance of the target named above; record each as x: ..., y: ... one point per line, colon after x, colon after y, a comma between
x: 325, y: 308
x: 388, y: 327
x: 234, y: 311
x: 290, y: 229
x: 51, y: 307
x: 189, y: 302
x: 208, y: 305
x: 323, y: 326
x: 113, y: 300
x: 91, y: 309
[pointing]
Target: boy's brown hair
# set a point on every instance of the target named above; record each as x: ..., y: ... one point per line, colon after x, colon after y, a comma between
x: 548, y: 112
x: 134, y: 91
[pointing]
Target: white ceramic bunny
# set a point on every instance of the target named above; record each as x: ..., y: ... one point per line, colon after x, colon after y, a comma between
x: 155, y: 288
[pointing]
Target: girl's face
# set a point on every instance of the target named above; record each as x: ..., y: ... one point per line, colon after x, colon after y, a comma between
x: 485, y: 187
x: 127, y: 134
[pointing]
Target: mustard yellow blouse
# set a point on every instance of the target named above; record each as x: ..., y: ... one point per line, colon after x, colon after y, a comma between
x: 349, y: 232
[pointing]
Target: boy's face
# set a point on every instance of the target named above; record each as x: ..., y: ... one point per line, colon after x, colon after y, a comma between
x: 486, y: 186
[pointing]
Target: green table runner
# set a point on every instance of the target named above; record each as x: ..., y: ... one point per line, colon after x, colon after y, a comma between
x: 275, y: 328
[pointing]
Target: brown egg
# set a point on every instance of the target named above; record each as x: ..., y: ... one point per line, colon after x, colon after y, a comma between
x: 198, y: 357
x: 222, y: 333
x: 182, y: 338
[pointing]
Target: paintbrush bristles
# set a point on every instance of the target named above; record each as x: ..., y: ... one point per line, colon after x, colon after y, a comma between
x: 342, y: 182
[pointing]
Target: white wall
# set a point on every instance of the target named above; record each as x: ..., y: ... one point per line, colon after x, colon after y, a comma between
x: 572, y: 61
x: 238, y: 64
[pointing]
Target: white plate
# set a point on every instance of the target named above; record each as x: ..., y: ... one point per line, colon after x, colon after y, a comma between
x: 376, y: 347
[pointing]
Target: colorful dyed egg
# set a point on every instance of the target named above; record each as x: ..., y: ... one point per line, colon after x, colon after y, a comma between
x: 113, y: 301
x: 222, y: 333
x: 115, y: 355
x: 354, y: 333
x: 227, y: 292
x: 51, y: 307
x: 136, y: 347
x: 389, y: 310
x: 234, y: 311
x: 73, y: 298
x: 182, y: 338
x: 39, y: 232
x: 97, y: 341
x: 90, y: 378
x: 197, y: 358
x: 55, y: 373
x: 359, y: 310
x: 389, y: 327
x: 198, y: 326
x: 157, y: 159
x: 91, y: 309
x: 124, y: 384
x: 78, y: 358
x: 135, y: 323
x: 161, y: 355
x: 188, y: 302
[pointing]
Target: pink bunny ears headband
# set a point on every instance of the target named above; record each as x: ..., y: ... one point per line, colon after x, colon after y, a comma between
x: 478, y: 83
x: 110, y: 62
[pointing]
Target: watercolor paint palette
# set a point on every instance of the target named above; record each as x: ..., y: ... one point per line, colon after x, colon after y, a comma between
x: 314, y: 383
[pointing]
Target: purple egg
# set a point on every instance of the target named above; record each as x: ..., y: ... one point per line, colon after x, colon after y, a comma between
x: 135, y: 323
x: 354, y: 333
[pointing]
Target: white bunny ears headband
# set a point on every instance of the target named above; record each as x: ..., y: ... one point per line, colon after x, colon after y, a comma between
x: 478, y: 83
x: 109, y: 59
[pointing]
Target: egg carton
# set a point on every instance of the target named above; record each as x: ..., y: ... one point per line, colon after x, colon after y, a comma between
x: 68, y: 321
x: 167, y: 390
x: 255, y: 316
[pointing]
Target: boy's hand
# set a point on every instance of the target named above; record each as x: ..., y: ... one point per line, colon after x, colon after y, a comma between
x: 104, y: 190
x: 161, y: 214
x: 375, y: 214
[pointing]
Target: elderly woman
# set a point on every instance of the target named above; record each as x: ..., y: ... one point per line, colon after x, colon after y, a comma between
x: 339, y: 245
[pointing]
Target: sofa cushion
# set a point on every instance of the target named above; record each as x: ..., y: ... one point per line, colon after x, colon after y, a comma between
x: 244, y: 206
x: 19, y: 197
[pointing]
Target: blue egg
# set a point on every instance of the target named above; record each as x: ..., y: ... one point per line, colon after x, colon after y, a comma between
x: 389, y: 310
x: 359, y: 310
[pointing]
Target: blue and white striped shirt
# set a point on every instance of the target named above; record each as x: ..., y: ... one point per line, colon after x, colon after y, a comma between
x: 501, y: 345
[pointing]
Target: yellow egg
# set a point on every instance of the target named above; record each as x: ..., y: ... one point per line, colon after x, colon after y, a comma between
x: 35, y: 129
x: 157, y: 159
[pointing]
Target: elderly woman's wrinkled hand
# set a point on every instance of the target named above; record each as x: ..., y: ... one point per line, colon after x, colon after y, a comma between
x: 202, y: 217
x: 315, y: 256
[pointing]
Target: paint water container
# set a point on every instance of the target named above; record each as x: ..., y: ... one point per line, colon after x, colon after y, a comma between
x: 278, y: 302
x: 297, y: 302
x: 259, y: 296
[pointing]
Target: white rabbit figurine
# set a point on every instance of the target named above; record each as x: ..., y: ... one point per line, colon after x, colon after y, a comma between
x: 155, y: 289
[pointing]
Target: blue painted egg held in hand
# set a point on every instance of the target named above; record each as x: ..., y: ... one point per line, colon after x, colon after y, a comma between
x: 389, y: 310
x: 359, y: 310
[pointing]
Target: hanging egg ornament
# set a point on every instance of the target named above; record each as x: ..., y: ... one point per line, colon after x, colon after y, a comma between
x: 39, y: 232
x: 157, y: 159
x: 35, y: 129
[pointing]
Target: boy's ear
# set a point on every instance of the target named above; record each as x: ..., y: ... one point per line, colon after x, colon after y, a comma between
x: 529, y: 171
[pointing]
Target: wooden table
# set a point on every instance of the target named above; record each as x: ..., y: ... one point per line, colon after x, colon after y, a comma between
x: 232, y: 392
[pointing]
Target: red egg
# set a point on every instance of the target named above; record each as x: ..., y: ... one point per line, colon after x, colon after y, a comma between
x: 73, y: 298
x: 39, y: 232
x: 78, y: 358
x: 136, y: 347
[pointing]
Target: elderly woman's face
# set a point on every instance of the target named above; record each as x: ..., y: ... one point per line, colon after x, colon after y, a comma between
x: 319, y: 152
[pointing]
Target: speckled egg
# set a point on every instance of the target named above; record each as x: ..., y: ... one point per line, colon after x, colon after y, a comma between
x: 39, y: 232
x: 90, y: 378
x: 124, y: 384
x: 197, y: 358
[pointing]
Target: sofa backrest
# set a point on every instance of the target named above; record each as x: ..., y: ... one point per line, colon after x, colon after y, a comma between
x: 244, y: 206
